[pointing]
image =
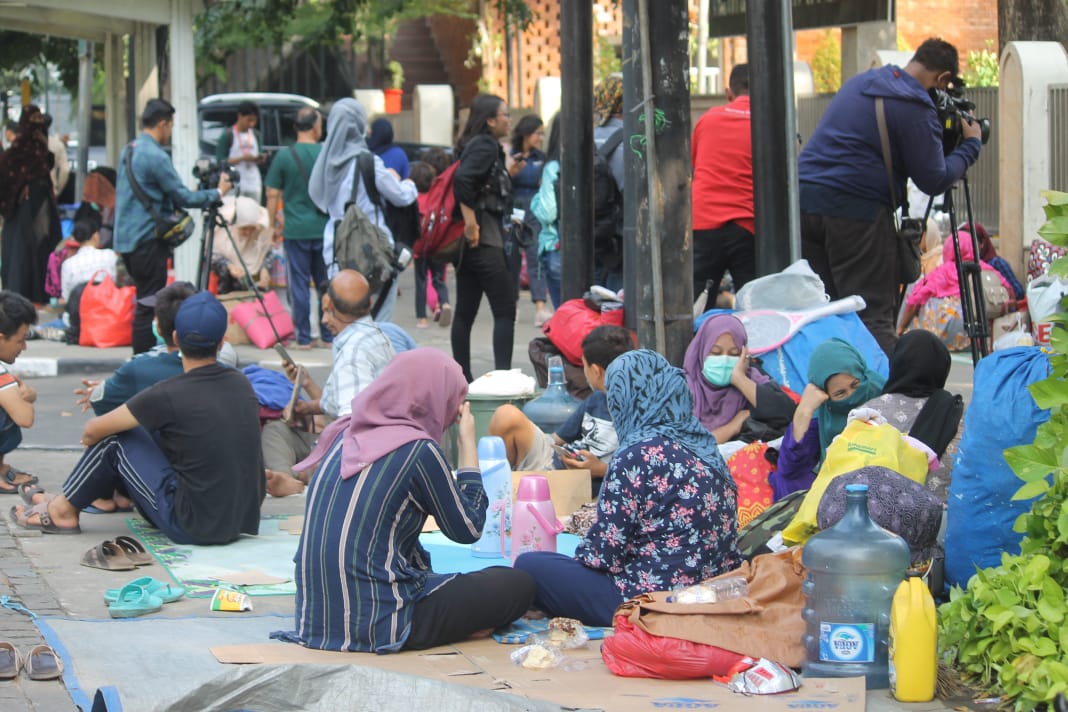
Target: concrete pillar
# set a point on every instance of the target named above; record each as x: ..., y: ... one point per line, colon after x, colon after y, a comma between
x: 373, y: 100
x: 547, y: 98
x: 145, y: 71
x: 184, y: 145
x: 114, y: 99
x: 859, y: 43
x: 434, y: 107
x: 1027, y: 71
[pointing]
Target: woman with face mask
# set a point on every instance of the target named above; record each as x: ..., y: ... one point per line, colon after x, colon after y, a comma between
x: 839, y: 380
x: 732, y: 398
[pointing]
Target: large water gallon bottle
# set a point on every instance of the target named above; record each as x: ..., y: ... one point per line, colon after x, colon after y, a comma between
x: 913, y: 642
x: 853, y: 570
x: 495, y: 541
x: 552, y: 408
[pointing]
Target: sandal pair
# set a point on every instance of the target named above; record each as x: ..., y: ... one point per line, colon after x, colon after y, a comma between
x: 123, y: 553
x: 166, y: 592
x: 41, y: 663
x: 46, y: 525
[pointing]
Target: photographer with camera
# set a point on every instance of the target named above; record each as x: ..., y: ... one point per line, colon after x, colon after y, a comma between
x: 147, y: 193
x: 848, y: 231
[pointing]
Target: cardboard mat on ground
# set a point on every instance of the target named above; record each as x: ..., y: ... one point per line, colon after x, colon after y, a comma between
x: 584, y: 683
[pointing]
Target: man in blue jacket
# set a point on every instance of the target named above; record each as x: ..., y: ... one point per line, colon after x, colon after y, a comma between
x: 847, y: 226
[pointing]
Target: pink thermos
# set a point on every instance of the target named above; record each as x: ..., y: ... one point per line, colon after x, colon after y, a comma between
x: 534, y: 522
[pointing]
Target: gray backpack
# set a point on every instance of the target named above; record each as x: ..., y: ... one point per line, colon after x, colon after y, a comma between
x: 359, y: 243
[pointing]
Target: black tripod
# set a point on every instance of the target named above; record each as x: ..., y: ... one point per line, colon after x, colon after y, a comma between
x: 969, y: 277
x: 213, y: 219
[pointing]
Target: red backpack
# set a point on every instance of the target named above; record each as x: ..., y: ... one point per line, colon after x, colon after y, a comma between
x: 439, y: 233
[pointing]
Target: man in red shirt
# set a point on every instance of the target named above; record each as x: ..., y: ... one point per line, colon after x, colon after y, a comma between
x: 722, y: 154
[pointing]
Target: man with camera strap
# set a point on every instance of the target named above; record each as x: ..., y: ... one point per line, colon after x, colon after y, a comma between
x: 147, y: 191
x: 848, y: 233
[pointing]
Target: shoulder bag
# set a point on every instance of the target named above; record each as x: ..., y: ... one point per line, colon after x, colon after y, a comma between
x: 172, y: 228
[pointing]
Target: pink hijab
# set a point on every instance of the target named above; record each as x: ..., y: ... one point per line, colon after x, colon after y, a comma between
x: 715, y: 406
x: 416, y: 397
x: 942, y: 281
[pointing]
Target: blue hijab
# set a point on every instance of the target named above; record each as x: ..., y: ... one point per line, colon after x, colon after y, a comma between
x: 648, y: 397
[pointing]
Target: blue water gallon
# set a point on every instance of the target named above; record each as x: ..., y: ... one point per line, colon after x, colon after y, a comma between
x: 496, y: 539
x: 852, y: 572
x: 551, y: 409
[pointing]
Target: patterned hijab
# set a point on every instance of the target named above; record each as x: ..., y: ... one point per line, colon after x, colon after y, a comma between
x: 416, y: 397
x: 713, y: 405
x: 608, y: 99
x: 838, y: 356
x: 648, y: 397
x: 27, y: 160
x: 345, y: 139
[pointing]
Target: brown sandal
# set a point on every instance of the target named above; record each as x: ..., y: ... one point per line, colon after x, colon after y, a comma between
x: 134, y: 550
x: 108, y: 556
x: 47, y: 526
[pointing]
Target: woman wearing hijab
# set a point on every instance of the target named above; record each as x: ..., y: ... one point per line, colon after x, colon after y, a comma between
x: 332, y: 178
x: 934, y: 302
x: 381, y: 143
x: 988, y: 254
x: 839, y: 380
x: 364, y: 583
x: 733, y: 399
x: 28, y: 206
x: 914, y: 400
x: 667, y: 509
x: 247, y: 221
x: 483, y: 191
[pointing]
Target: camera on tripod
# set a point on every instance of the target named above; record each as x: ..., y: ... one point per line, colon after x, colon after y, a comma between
x: 207, y: 171
x: 953, y: 109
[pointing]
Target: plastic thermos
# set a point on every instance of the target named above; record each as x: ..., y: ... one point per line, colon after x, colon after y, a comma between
x: 913, y: 642
x: 534, y: 522
x: 552, y: 408
x: 497, y: 481
x: 853, y: 570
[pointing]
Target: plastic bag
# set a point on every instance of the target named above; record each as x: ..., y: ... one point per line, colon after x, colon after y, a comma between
x: 106, y: 313
x: 1043, y: 299
x: 632, y: 652
x: 795, y: 288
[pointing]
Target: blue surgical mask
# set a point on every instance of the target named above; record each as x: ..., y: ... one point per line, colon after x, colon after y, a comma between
x: 155, y: 332
x: 717, y: 369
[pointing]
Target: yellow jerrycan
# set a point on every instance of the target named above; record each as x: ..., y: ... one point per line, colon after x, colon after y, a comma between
x: 913, y: 642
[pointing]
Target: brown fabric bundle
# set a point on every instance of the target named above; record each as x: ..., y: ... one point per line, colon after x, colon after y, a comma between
x: 766, y: 623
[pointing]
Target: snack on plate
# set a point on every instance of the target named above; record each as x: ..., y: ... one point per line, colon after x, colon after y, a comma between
x: 537, y: 657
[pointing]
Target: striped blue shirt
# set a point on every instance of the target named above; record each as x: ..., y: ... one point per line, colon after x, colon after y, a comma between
x: 359, y: 566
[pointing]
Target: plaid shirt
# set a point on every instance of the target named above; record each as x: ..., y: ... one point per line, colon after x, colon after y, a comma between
x: 361, y: 351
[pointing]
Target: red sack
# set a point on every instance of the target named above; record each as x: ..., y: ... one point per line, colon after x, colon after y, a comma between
x: 570, y: 324
x: 632, y: 652
x: 250, y: 317
x: 106, y: 313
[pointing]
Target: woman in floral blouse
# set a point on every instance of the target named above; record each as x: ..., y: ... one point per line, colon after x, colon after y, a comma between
x: 667, y: 509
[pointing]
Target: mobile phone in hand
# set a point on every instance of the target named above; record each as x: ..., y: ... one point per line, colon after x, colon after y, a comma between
x: 284, y: 354
x: 566, y: 450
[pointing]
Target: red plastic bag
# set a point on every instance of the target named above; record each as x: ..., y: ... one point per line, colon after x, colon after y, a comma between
x: 570, y: 324
x: 250, y: 317
x: 632, y: 652
x: 106, y: 313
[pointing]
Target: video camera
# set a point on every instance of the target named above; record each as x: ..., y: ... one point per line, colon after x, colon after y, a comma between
x: 207, y: 171
x: 952, y: 109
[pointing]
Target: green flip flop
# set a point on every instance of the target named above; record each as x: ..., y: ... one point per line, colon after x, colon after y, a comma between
x: 134, y: 601
x: 166, y: 592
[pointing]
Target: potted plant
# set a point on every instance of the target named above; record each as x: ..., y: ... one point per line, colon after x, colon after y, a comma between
x: 394, y: 92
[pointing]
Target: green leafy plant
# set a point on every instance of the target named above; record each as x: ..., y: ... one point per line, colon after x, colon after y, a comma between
x: 396, y: 74
x: 1007, y: 629
x: 827, y: 65
x: 983, y: 67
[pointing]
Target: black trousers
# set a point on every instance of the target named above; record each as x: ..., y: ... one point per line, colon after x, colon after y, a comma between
x: 469, y: 603
x: 730, y: 247
x: 484, y: 270
x: 857, y: 257
x: 147, y: 266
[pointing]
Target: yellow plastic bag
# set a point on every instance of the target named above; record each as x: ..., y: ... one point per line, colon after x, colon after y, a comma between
x: 861, y: 444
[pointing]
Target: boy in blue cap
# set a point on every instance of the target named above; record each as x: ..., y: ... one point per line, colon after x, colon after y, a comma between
x: 187, y: 449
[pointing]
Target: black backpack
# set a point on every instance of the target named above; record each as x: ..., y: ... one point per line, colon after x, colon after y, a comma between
x: 607, y: 206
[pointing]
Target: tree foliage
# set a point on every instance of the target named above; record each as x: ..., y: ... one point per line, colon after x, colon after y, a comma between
x: 27, y: 55
x: 827, y: 65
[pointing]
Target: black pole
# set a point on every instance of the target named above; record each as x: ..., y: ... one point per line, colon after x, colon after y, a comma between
x: 634, y: 192
x: 774, y: 127
x: 660, y: 184
x: 576, y: 147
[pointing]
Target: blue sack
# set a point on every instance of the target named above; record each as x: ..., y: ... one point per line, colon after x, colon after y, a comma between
x: 1002, y: 414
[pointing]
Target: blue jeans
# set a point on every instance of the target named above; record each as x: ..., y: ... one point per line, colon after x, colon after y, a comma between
x: 569, y: 588
x: 304, y: 264
x: 549, y: 266
x: 134, y: 461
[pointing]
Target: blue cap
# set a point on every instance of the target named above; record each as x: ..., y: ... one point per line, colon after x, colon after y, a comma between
x: 201, y: 321
x: 856, y: 488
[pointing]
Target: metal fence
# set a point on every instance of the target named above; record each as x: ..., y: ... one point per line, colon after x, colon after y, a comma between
x: 982, y: 177
x: 1058, y: 137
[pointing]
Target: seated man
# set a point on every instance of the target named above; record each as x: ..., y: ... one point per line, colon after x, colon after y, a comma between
x: 187, y: 449
x: 588, y: 433
x: 361, y: 351
x: 89, y: 259
x: 16, y: 398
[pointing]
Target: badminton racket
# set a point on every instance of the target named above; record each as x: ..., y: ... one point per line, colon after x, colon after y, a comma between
x: 768, y: 329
